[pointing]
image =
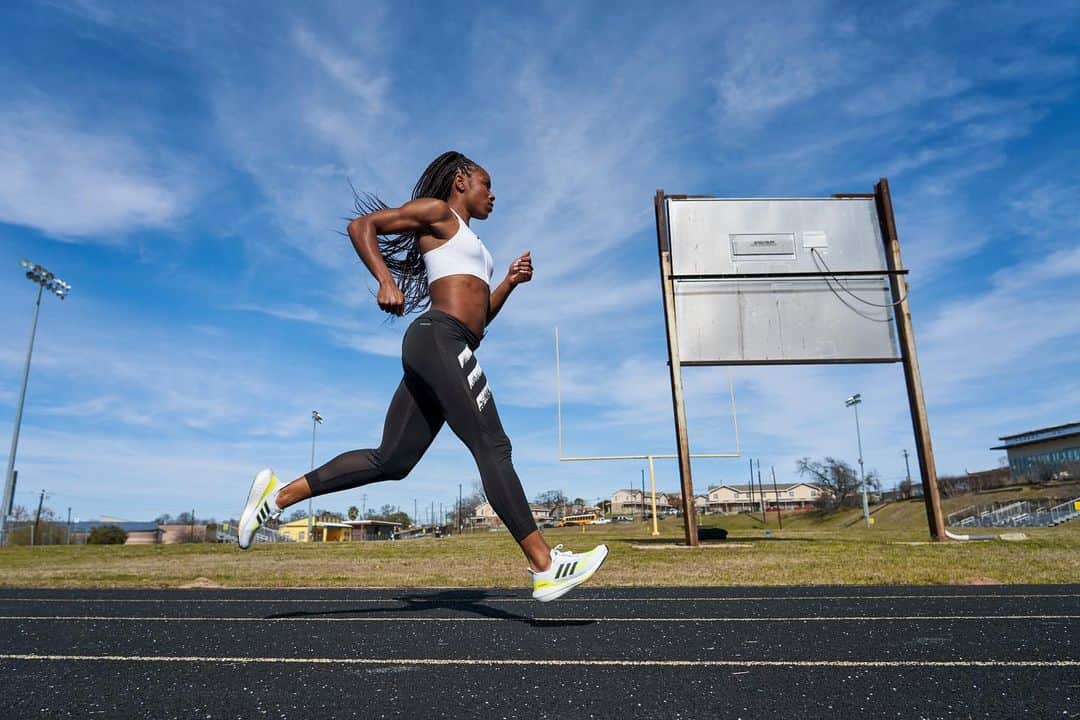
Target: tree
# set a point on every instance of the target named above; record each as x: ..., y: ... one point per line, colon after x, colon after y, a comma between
x: 905, y: 488
x: 551, y: 499
x: 838, y: 481
x: 354, y: 512
x: 107, y: 535
x: 296, y: 515
x: 399, y: 517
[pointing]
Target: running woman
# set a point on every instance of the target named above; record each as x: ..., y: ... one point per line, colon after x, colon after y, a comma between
x: 425, y: 251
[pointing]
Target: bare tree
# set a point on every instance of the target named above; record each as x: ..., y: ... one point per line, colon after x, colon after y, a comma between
x: 295, y: 515
x: 551, y: 499
x: 838, y: 481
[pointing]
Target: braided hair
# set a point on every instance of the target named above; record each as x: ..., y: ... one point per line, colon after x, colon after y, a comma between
x: 401, y: 251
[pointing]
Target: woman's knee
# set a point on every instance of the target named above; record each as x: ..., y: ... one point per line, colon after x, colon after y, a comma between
x: 495, y: 445
x: 397, y: 465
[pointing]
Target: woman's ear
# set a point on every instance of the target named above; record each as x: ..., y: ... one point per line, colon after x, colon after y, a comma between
x: 460, y: 182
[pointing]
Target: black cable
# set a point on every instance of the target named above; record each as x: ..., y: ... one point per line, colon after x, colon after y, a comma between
x: 816, y: 255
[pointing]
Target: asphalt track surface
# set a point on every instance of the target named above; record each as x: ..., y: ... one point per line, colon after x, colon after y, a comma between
x: 820, y: 652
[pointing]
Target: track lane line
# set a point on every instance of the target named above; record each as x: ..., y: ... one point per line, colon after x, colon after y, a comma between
x: 578, y: 663
x: 801, y: 598
x: 808, y: 618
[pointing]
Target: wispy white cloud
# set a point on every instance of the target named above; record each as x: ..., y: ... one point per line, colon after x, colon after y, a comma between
x: 74, y: 183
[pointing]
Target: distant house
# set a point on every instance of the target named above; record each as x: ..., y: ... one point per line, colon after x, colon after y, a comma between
x: 172, y: 533
x: 329, y: 530
x: 746, y: 498
x: 484, y: 516
x: 634, y: 502
x: 322, y: 530
x: 367, y: 530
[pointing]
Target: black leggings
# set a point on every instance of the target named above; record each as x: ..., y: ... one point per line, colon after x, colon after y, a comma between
x: 443, y: 382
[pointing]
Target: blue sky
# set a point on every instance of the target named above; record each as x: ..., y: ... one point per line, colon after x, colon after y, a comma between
x: 185, y: 167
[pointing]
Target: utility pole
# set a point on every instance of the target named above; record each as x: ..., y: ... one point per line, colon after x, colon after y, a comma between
x: 363, y: 506
x: 907, y: 469
x: 46, y: 281
x: 191, y: 528
x: 37, y: 519
x: 761, y: 492
x: 67, y: 535
x: 751, y: 485
x: 459, y: 508
x: 415, y: 512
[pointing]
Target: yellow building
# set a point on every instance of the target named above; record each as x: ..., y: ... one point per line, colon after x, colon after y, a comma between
x: 326, y: 530
x: 321, y: 531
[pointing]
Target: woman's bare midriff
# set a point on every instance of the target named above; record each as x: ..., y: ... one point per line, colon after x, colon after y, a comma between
x: 466, y: 297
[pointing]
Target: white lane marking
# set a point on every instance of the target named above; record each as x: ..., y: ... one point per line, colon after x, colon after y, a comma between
x: 490, y: 600
x: 817, y: 618
x: 586, y: 663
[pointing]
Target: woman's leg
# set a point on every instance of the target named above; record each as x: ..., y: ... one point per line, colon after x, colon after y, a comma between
x: 412, y: 422
x: 451, y: 371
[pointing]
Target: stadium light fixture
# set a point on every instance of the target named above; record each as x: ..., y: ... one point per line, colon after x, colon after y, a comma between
x: 46, y: 281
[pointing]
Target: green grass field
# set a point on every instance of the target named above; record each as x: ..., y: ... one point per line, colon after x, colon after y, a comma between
x: 810, y: 550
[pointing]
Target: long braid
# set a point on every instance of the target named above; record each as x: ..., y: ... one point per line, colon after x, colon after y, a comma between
x: 401, y: 251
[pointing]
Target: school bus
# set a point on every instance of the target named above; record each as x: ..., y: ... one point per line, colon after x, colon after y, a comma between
x: 586, y: 518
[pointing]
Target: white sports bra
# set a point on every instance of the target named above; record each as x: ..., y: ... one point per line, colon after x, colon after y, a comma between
x: 463, y: 254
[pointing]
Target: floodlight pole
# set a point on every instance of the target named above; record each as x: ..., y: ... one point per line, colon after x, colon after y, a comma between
x: 853, y: 402
x: 316, y: 419
x: 58, y: 287
x: 912, y: 376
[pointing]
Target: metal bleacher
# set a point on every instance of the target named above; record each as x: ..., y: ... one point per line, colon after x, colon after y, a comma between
x: 1024, y: 513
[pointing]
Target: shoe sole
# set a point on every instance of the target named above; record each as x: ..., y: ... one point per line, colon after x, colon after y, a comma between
x: 254, y: 495
x: 555, y: 595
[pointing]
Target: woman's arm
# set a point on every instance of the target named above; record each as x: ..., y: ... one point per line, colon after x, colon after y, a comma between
x: 520, y: 272
x: 414, y: 216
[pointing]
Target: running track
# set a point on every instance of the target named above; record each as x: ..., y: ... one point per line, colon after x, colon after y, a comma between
x: 828, y: 652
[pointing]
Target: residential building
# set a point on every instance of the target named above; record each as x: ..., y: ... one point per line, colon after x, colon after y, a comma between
x: 172, y: 533
x: 484, y: 516
x: 322, y: 530
x: 367, y: 530
x: 745, y: 498
x: 634, y: 502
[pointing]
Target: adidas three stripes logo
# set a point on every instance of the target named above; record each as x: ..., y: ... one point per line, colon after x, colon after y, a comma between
x: 565, y: 569
x: 473, y: 377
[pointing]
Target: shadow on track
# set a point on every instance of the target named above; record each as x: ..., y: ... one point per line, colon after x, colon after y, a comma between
x: 463, y: 600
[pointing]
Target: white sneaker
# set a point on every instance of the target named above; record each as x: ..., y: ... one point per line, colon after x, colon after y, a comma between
x: 567, y: 571
x: 261, y: 506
